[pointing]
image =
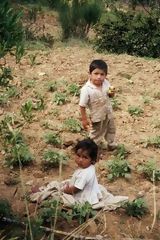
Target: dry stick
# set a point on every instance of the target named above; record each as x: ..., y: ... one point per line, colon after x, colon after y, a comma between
x: 154, y: 201
x: 105, y: 223
x: 67, y: 234
x: 59, y: 192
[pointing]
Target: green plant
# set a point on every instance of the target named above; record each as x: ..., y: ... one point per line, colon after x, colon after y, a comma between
x: 74, y: 89
x: 135, y: 111
x: 153, y: 142
x: 77, y: 17
x: 12, y: 91
x: 5, y: 209
x: 121, y: 151
x: 136, y: 208
x: 115, y: 103
x: 73, y: 125
x: 54, y: 159
x: 146, y: 100
x: 3, y: 99
x: 39, y: 102
x: 53, y: 138
x: 118, y: 167
x: 52, y: 86
x: 132, y: 32
x: 26, y: 110
x: 83, y: 212
x: 32, y: 58
x: 19, y: 52
x: 147, y: 169
x: 157, y: 95
x: 18, y: 154
x: 60, y: 98
x: 12, y: 33
x: 28, y: 83
x: 5, y: 76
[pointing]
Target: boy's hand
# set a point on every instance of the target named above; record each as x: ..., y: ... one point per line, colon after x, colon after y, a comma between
x: 86, y: 124
x: 111, y: 91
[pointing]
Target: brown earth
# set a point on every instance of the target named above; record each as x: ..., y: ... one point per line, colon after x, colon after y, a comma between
x: 135, y: 79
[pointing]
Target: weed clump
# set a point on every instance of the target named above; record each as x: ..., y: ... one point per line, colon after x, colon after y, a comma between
x: 136, y: 208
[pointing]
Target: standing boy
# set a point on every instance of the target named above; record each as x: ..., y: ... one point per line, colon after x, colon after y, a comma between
x: 95, y: 96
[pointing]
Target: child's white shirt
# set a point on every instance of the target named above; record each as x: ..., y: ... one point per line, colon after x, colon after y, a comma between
x: 85, y: 179
x: 97, y: 100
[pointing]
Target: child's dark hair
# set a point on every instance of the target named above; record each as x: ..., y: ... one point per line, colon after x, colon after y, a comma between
x: 98, y: 63
x: 90, y: 146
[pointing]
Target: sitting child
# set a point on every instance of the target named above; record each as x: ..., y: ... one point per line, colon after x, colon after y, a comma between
x: 83, y: 184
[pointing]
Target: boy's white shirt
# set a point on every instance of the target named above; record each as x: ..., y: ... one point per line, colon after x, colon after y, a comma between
x: 85, y: 179
x: 96, y: 99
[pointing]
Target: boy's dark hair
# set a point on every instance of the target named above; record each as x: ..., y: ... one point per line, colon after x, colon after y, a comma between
x: 98, y: 63
x: 90, y: 146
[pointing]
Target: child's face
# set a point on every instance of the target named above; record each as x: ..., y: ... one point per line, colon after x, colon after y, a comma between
x: 97, y: 76
x: 83, y: 159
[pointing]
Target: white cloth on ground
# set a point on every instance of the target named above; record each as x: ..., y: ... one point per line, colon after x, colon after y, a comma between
x: 53, y: 189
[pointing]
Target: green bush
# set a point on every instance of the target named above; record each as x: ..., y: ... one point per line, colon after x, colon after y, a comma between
x: 147, y: 169
x: 76, y: 16
x: 136, y: 208
x: 12, y: 34
x: 135, y: 33
x: 54, y: 158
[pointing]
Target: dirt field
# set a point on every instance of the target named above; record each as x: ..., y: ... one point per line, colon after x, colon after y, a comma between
x: 137, y: 84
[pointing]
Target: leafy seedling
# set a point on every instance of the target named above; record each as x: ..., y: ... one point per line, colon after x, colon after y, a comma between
x: 72, y: 125
x: 26, y: 110
x: 5, y: 76
x: 153, y: 142
x: 147, y: 169
x: 118, y: 167
x: 115, y: 103
x: 60, y: 98
x: 136, y: 208
x: 83, y: 212
x: 54, y: 159
x: 53, y: 138
x: 74, y: 89
x: 135, y: 111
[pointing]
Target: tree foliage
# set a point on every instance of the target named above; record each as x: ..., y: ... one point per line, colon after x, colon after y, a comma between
x: 77, y: 16
x: 11, y: 30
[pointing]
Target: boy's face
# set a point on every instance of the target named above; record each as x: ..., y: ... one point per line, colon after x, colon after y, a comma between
x: 83, y: 159
x: 97, y: 77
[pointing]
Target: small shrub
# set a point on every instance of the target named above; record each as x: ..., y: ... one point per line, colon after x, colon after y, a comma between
x: 146, y: 100
x: 153, y: 142
x: 83, y: 212
x: 3, y: 99
x: 53, y: 138
x: 39, y: 102
x: 54, y: 159
x: 74, y: 89
x: 32, y: 58
x: 135, y: 111
x: 5, y: 76
x: 5, y: 209
x: 118, y: 167
x: 19, y: 154
x: 60, y: 98
x: 28, y: 83
x: 72, y: 125
x: 26, y: 110
x: 115, y: 103
x: 147, y: 169
x: 52, y: 86
x: 157, y: 95
x: 12, y: 91
x: 136, y: 208
x: 121, y: 151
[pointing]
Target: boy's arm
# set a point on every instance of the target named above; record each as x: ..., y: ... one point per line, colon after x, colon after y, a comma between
x: 85, y: 122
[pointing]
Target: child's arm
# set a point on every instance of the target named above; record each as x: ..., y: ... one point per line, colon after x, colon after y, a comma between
x: 85, y: 122
x: 70, y: 189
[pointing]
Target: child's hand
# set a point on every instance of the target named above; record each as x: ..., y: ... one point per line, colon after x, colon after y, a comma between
x: 111, y: 91
x: 87, y: 125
